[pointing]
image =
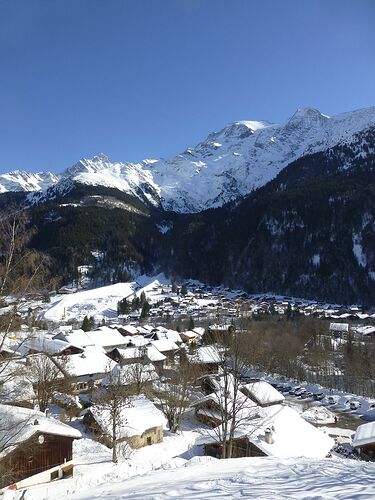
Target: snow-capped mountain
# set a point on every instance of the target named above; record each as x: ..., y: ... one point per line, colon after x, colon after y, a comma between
x: 19, y: 180
x: 246, y: 155
x: 228, y: 164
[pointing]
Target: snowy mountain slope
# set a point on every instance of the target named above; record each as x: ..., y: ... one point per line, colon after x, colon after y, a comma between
x: 19, y: 180
x: 227, y: 165
x: 246, y: 155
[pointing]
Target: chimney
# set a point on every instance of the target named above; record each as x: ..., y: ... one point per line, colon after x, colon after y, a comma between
x: 269, y: 435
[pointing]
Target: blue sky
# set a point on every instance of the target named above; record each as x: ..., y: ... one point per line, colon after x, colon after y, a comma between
x: 148, y: 78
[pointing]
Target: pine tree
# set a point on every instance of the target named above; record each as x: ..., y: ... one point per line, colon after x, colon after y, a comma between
x: 86, y: 327
x: 184, y: 289
x: 191, y: 323
x: 145, y: 310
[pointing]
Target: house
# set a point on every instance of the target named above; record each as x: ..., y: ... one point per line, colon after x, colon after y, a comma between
x: 208, y: 357
x: 106, y: 337
x: 33, y: 444
x: 364, y: 439
x: 339, y: 329
x: 189, y: 336
x: 262, y: 393
x: 166, y: 347
x: 214, y: 408
x: 141, y: 423
x: 134, y: 376
x: 366, y: 332
x: 129, y: 330
x: 87, y: 370
x: 51, y: 346
x: 274, y: 431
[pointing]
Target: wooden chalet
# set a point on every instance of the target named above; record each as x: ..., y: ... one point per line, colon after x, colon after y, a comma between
x: 32, y: 443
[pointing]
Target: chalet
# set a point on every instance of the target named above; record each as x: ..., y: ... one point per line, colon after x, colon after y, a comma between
x: 339, y: 329
x: 364, y: 439
x: 274, y: 431
x: 166, y: 347
x: 215, y: 407
x: 189, y: 337
x: 75, y: 337
x: 365, y: 332
x: 50, y: 346
x: 106, y: 337
x: 32, y: 444
x: 207, y: 357
x: 262, y: 393
x: 87, y: 370
x: 141, y: 423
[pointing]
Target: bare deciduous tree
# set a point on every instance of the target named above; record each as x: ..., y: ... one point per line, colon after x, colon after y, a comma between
x: 112, y: 399
x: 48, y: 375
x: 174, y: 396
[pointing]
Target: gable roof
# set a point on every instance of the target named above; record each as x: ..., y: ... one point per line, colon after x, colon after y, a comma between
x: 19, y: 424
x: 365, y: 434
x: 140, y: 416
x: 92, y: 360
x: 263, y: 393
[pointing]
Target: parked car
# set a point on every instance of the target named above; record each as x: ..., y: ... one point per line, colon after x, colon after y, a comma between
x: 300, y: 391
x: 354, y: 405
x: 318, y: 396
x: 334, y: 399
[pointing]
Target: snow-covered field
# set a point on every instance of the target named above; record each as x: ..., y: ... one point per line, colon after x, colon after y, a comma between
x: 100, y: 302
x: 206, y: 478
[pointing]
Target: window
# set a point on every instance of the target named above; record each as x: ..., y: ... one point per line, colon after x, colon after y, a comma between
x: 54, y: 475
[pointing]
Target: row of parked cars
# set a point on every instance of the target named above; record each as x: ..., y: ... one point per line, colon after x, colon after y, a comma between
x: 298, y: 391
x: 303, y: 393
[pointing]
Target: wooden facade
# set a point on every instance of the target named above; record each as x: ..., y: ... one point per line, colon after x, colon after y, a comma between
x: 241, y: 447
x: 37, y: 454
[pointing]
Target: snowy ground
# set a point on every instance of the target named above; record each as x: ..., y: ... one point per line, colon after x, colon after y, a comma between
x: 206, y: 478
x: 93, y: 466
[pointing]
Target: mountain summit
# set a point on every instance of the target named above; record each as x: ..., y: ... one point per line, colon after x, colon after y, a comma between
x: 227, y: 165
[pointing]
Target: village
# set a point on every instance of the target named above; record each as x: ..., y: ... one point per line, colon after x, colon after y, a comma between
x: 137, y: 366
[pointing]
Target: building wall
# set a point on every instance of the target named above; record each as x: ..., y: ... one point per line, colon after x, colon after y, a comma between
x: 32, y: 458
x: 150, y: 436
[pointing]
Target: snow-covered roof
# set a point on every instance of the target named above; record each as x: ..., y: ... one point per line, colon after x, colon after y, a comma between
x: 365, y: 434
x: 47, y: 345
x: 164, y: 345
x: 292, y: 435
x: 79, y: 337
x: 106, y: 337
x: 172, y: 335
x: 132, y: 330
x: 92, y: 360
x: 133, y: 373
x: 190, y: 334
x: 206, y: 355
x: 130, y: 352
x: 199, y: 330
x: 135, y: 419
x: 339, y: 327
x: 19, y: 424
x: 263, y: 393
x: 365, y: 330
x: 154, y: 354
